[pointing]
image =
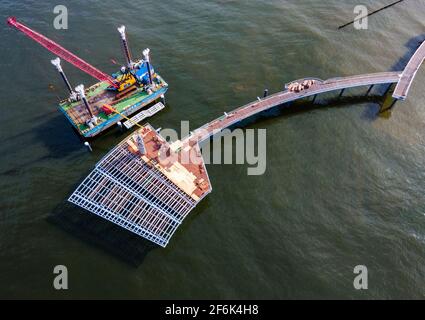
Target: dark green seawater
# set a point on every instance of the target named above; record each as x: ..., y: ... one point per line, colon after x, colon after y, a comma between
x: 342, y: 188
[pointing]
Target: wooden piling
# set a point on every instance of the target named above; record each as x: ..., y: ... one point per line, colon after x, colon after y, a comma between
x: 370, y: 89
x: 388, y: 89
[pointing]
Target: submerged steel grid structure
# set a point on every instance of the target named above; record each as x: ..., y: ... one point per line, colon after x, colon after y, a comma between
x: 125, y: 190
x: 409, y: 73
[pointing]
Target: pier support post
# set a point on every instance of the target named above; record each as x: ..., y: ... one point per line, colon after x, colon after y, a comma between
x: 266, y: 93
x: 314, y: 98
x: 342, y: 92
x: 370, y: 89
x: 388, y: 89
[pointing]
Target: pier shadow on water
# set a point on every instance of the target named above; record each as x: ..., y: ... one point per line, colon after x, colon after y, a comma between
x: 321, y: 103
x: 103, y: 234
x: 412, y: 45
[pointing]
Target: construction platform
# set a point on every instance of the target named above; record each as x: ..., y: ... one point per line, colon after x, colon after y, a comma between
x: 98, y: 95
x: 146, y: 185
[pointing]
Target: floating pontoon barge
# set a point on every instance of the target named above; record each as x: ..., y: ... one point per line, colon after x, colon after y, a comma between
x: 132, y: 88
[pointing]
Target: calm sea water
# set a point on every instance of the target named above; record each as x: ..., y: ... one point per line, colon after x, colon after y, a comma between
x: 342, y: 187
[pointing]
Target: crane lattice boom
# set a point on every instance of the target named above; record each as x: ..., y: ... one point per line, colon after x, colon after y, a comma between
x: 62, y: 52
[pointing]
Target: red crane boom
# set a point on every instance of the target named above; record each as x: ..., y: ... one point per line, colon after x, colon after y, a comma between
x: 62, y: 52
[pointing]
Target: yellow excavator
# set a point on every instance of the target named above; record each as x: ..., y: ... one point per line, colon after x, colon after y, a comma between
x: 125, y: 81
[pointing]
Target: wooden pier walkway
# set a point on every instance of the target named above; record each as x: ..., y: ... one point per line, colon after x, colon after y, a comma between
x: 262, y: 104
x: 409, y: 73
x: 404, y: 79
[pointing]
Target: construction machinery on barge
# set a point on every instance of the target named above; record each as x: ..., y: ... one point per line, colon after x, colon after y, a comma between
x: 135, y: 86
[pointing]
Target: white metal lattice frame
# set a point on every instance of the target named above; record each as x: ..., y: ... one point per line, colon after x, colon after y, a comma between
x: 126, y: 191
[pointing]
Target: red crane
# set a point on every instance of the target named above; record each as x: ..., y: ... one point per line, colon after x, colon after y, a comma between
x: 62, y: 52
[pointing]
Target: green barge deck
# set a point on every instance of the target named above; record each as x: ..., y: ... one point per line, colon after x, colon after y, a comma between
x: 98, y: 95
